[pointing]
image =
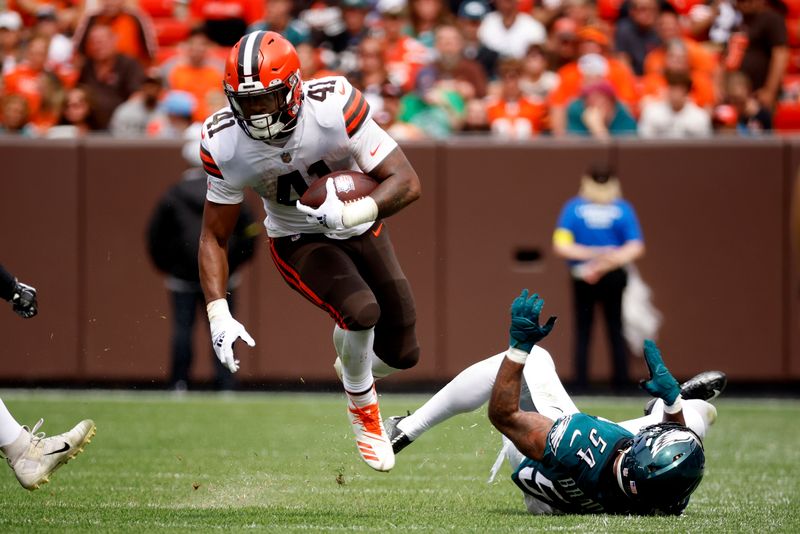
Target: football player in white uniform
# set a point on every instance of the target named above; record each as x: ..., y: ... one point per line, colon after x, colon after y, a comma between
x: 279, y: 135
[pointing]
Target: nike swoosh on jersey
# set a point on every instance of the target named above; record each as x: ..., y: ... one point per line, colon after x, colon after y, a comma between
x: 377, y: 231
x: 62, y: 449
x: 375, y: 150
x: 574, y: 435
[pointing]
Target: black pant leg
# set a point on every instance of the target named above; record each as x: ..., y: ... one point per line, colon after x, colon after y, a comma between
x: 584, y: 303
x: 184, y: 307
x: 611, y: 288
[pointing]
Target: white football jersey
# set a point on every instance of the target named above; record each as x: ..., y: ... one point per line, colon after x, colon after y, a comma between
x: 335, y: 131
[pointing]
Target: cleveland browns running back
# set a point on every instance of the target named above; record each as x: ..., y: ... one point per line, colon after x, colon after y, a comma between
x: 278, y: 135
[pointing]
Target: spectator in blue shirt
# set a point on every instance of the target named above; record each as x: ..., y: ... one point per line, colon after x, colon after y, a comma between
x: 598, y: 234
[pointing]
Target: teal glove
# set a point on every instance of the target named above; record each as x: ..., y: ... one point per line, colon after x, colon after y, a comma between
x: 661, y: 384
x: 525, y: 331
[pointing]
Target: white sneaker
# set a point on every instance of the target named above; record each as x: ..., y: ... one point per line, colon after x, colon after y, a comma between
x: 34, y: 457
x: 371, y: 439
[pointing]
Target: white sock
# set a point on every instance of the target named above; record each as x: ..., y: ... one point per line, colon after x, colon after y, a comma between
x: 338, y: 339
x: 467, y: 392
x: 547, y: 391
x: 380, y: 369
x: 699, y: 416
x: 472, y: 387
x: 355, y: 350
x: 9, y: 428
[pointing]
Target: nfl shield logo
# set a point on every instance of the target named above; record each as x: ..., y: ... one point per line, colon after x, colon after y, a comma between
x: 286, y: 157
x: 344, y: 183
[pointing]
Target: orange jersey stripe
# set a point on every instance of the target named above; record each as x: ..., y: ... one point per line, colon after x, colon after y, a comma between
x: 206, y: 156
x: 208, y: 161
x: 213, y: 171
x: 355, y: 124
x: 355, y: 100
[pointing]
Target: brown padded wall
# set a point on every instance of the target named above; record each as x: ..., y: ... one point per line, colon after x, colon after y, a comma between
x: 294, y: 337
x: 714, y: 215
x: 714, y: 226
x: 40, y: 245
x: 714, y: 241
x: 127, y: 315
x: 793, y: 293
x: 498, y: 199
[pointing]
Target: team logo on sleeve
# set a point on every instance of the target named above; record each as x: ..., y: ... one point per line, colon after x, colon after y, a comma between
x: 558, y: 430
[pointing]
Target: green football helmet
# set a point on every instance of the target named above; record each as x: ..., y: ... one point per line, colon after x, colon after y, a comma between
x: 663, y: 466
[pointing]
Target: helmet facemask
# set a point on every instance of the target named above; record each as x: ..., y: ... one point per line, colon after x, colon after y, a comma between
x: 267, y: 113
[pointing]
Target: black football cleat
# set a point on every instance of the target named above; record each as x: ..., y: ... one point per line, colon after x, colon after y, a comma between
x: 704, y: 386
x: 397, y: 437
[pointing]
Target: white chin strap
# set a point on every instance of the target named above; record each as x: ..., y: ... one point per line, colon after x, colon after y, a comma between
x: 618, y: 472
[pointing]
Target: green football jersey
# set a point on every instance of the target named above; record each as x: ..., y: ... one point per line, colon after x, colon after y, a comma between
x: 576, y: 473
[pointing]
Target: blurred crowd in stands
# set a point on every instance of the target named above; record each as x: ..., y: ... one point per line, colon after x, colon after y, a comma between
x: 429, y: 68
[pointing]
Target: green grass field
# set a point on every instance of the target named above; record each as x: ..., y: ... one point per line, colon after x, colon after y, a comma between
x: 287, y: 463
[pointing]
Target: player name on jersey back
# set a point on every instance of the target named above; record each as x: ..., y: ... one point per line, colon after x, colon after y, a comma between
x: 575, y: 475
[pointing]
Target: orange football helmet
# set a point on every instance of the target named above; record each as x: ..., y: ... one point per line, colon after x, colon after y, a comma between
x: 263, y: 85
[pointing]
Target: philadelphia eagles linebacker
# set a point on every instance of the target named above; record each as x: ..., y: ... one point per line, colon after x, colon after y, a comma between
x: 565, y: 461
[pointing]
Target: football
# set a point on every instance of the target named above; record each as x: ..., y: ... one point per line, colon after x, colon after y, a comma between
x: 350, y: 185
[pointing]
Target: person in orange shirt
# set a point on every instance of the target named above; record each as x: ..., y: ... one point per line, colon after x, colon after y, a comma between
x: 197, y: 73
x: 593, y: 64
x: 41, y: 87
x: 668, y: 28
x: 404, y: 56
x: 676, y: 60
x: 135, y: 36
x: 512, y: 115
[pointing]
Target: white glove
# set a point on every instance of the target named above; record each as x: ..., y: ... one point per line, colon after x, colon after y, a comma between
x: 330, y: 213
x: 225, y: 330
x: 337, y: 215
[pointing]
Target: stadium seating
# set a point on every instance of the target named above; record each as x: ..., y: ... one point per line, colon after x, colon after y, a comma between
x: 608, y: 10
x: 158, y: 8
x: 169, y: 31
x: 793, y: 8
x: 787, y: 117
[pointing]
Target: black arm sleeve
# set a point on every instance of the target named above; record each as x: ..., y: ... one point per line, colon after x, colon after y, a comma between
x: 7, y: 284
